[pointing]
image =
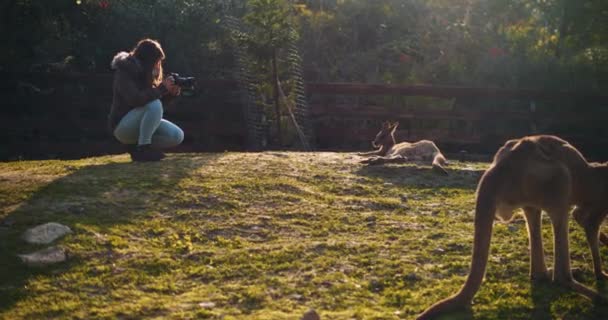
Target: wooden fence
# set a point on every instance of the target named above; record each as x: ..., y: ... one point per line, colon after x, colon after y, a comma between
x: 63, y: 115
x: 477, y: 120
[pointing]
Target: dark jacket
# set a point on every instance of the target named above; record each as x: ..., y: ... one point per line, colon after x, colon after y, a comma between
x: 128, y: 91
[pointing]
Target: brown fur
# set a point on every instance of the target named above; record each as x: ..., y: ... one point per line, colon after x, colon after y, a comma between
x: 536, y: 173
x: 391, y: 152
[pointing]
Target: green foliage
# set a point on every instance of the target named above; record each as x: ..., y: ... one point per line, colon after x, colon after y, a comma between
x: 270, y: 26
x: 523, y: 43
x: 43, y: 32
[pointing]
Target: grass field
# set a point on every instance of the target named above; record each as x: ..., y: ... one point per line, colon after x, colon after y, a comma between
x: 264, y: 236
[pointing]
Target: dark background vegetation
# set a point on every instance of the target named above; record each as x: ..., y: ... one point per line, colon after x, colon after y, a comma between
x: 559, y: 45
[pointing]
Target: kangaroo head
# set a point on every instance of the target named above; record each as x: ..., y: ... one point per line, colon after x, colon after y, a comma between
x: 386, y: 136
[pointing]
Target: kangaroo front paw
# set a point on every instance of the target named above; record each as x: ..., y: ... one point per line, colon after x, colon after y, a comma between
x: 372, y: 161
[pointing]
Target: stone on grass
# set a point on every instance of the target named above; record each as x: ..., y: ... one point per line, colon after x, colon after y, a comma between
x: 44, y: 257
x: 311, y: 315
x: 296, y: 296
x: 45, y: 233
x: 207, y: 305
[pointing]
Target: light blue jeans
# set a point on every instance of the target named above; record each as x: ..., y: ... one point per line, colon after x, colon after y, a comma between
x: 145, y: 125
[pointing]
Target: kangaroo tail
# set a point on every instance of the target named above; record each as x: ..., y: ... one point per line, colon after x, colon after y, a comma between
x: 484, y: 217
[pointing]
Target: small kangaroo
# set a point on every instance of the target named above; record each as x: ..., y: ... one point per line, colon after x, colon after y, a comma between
x: 537, y: 173
x: 390, y: 151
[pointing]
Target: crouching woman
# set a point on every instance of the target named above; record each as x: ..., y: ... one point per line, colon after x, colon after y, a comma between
x: 139, y: 90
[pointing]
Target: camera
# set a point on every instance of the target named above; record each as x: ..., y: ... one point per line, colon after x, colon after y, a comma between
x: 183, y: 82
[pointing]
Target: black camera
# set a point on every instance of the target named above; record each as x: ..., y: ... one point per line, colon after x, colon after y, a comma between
x: 183, y: 82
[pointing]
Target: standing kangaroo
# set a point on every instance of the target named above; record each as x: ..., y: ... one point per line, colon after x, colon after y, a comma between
x: 536, y: 173
x: 390, y: 151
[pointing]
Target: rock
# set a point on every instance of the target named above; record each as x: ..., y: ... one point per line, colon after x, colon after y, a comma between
x: 438, y: 250
x: 207, y: 305
x: 46, y: 233
x: 311, y: 315
x: 44, y: 257
x: 297, y: 297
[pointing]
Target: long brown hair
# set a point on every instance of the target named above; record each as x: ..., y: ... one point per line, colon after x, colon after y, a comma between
x: 149, y: 52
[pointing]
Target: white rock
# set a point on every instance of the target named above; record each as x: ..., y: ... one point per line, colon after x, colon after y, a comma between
x: 44, y: 257
x: 207, y: 305
x: 46, y: 233
x: 296, y: 296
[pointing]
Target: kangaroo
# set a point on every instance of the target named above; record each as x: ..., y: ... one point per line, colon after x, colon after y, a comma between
x: 389, y: 151
x: 536, y: 173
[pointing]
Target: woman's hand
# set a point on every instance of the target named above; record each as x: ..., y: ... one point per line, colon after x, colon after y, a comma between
x: 173, y: 89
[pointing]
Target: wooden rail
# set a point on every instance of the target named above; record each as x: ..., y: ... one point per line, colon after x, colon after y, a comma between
x: 64, y: 115
x: 463, y: 124
x: 450, y: 91
x: 344, y: 115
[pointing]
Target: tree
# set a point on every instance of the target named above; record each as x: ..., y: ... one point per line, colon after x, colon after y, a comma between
x: 271, y: 30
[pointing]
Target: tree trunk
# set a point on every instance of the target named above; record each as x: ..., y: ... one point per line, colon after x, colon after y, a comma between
x: 277, y: 106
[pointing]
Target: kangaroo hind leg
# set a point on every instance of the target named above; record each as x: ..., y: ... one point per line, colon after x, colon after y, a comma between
x: 562, y: 274
x: 591, y: 221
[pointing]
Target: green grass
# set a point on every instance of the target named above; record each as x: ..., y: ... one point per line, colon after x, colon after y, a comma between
x: 263, y: 236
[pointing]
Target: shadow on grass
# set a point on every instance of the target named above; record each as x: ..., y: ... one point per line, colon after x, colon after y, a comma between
x: 550, y: 300
x: 423, y: 176
x: 93, y: 197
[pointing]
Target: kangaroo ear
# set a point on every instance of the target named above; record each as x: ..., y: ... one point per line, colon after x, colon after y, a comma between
x: 395, y: 125
x: 386, y: 125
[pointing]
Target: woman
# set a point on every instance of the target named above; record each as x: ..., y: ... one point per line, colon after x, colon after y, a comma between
x: 136, y: 115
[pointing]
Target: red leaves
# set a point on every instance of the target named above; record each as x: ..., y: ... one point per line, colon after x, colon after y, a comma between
x: 496, y: 52
x: 405, y: 58
x: 104, y: 4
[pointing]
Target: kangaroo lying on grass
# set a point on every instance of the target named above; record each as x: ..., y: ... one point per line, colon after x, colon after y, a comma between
x: 537, y: 173
x: 389, y: 151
